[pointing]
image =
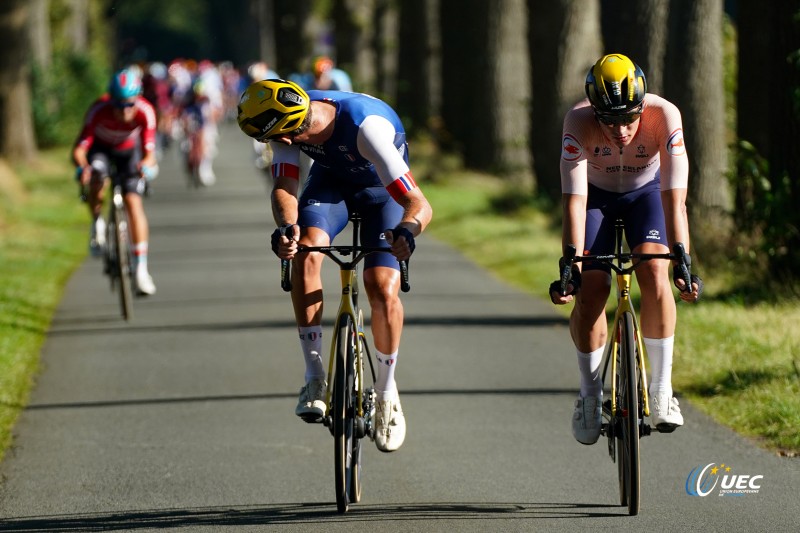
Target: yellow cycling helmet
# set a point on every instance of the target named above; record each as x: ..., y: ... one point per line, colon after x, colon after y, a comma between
x: 615, y: 85
x: 272, y: 107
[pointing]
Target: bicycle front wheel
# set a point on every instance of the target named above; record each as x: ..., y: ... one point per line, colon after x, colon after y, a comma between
x: 125, y: 272
x: 347, y: 451
x: 630, y: 475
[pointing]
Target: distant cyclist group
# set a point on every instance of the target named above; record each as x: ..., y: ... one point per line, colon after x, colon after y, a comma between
x: 623, y: 158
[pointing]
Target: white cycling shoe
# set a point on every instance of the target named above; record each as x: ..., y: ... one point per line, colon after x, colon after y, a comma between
x: 665, y: 413
x: 587, y: 419
x: 97, y: 237
x: 144, y: 283
x: 390, y: 425
x: 311, y: 403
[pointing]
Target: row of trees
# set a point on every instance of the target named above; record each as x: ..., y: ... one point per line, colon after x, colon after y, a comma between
x: 493, y: 79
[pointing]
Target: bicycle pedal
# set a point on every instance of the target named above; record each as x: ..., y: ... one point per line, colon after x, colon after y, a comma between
x: 666, y: 428
x: 311, y: 418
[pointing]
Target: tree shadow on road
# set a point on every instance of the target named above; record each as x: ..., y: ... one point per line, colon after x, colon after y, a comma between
x: 304, y: 513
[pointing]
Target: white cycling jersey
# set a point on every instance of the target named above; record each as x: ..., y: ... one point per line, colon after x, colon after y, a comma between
x: 657, y: 149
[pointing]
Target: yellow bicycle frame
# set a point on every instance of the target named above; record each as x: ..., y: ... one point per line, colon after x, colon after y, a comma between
x: 624, y: 305
x: 349, y: 279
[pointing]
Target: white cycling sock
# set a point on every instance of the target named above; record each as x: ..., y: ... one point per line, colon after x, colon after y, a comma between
x: 589, y: 365
x: 659, y: 352
x: 140, y: 256
x: 385, y: 384
x: 311, y: 343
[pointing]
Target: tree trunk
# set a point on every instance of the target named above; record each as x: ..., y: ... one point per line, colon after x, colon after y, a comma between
x: 17, y: 142
x: 638, y: 30
x: 460, y: 75
x: 564, y: 42
x: 510, y: 97
x: 78, y: 26
x: 752, y: 121
x: 265, y: 13
x: 385, y: 41
x: 292, y: 31
x: 418, y: 63
x: 355, y: 33
x: 40, y: 33
x: 694, y: 83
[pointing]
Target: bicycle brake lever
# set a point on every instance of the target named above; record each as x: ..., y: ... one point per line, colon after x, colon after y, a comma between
x: 566, y: 263
x: 405, y: 286
x: 286, y: 266
x: 683, y: 265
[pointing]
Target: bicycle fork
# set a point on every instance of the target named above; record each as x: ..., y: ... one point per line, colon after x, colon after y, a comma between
x: 365, y: 399
x: 612, y: 357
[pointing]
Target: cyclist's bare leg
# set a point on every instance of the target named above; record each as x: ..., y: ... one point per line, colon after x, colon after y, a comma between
x: 382, y: 285
x: 587, y: 322
x: 658, y: 313
x: 96, y: 194
x: 307, y: 279
x: 140, y: 231
x: 658, y: 316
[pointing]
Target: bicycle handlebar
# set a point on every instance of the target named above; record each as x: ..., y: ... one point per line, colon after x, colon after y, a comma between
x: 570, y: 257
x: 359, y: 253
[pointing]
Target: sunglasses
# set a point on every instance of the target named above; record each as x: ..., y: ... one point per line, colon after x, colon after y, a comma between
x: 620, y: 120
x: 124, y: 104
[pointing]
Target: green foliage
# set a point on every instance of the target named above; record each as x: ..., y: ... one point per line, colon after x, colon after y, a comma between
x: 766, y: 217
x: 61, y: 95
x: 42, y: 240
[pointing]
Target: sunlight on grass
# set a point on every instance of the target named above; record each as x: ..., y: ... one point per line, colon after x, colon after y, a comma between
x: 42, y: 240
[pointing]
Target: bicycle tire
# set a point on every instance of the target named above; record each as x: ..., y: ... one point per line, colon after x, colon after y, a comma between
x: 630, y: 412
x: 343, y: 414
x: 124, y: 271
x: 355, y: 470
x: 110, y: 252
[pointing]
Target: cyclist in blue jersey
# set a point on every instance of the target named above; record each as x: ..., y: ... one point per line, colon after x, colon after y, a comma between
x: 360, y: 155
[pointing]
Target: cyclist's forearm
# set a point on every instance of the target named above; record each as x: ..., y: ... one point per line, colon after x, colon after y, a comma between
x: 675, y: 216
x: 574, y: 224
x: 284, y: 204
x: 417, y: 212
x: 79, y: 156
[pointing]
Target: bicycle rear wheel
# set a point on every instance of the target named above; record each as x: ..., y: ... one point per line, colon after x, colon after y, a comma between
x: 630, y: 475
x: 347, y: 451
x: 122, y: 241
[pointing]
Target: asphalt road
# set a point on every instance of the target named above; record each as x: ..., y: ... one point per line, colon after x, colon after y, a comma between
x: 184, y: 419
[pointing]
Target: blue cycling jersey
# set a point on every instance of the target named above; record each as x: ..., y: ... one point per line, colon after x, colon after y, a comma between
x: 367, y: 147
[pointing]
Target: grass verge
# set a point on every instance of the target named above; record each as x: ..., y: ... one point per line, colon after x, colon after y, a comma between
x: 737, y: 362
x: 42, y: 240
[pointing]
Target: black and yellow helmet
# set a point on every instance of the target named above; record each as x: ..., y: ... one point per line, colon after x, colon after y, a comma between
x: 615, y: 85
x: 272, y: 107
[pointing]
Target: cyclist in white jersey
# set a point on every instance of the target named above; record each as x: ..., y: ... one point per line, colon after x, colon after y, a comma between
x: 623, y: 156
x: 360, y: 164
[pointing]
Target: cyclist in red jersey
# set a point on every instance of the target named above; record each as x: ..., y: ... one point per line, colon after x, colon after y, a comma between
x: 623, y: 156
x: 118, y: 141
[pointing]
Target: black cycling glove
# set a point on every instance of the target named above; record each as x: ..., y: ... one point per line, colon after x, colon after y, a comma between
x: 400, y: 231
x: 681, y: 270
x: 275, y: 240
x: 574, y: 279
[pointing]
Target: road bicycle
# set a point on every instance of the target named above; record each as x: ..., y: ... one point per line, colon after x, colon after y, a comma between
x: 624, y: 362
x: 118, y: 250
x: 350, y: 403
